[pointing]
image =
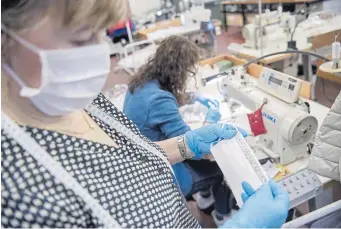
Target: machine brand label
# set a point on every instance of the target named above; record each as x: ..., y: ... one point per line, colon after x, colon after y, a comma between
x: 269, y: 117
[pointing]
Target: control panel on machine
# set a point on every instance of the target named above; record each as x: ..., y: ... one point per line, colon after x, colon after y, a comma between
x: 280, y: 85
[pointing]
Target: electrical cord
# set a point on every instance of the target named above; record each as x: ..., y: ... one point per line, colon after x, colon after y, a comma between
x: 285, y: 52
x: 246, y: 65
x: 298, y: 22
x: 293, y: 32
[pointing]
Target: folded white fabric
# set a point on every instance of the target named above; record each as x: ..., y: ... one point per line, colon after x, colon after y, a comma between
x: 238, y: 163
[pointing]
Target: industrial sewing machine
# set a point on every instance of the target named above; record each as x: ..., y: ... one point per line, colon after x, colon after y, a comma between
x: 290, y: 127
x: 277, y: 29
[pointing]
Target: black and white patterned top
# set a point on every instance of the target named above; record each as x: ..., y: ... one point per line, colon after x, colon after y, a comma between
x: 134, y: 185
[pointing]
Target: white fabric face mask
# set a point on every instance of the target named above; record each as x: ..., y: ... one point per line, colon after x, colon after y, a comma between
x: 238, y: 163
x: 70, y: 78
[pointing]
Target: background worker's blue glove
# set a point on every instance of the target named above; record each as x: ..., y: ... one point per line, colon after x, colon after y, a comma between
x: 213, y: 116
x: 199, y: 141
x: 209, y: 103
x: 265, y: 208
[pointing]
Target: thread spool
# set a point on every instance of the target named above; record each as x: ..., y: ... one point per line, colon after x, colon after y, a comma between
x: 280, y: 9
x: 336, y: 54
x: 336, y: 50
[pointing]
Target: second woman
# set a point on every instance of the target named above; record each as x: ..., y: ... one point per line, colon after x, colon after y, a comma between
x: 152, y: 103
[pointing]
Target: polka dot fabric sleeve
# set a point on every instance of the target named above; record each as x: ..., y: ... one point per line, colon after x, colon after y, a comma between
x: 110, y: 109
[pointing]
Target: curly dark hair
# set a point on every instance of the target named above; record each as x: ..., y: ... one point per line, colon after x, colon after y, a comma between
x: 171, y: 65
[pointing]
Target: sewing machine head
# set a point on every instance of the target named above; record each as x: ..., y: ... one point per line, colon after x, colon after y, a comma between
x: 277, y: 28
x: 273, y: 37
x: 289, y: 126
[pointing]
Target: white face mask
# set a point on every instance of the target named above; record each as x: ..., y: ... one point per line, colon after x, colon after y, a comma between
x: 70, y: 78
x: 238, y: 163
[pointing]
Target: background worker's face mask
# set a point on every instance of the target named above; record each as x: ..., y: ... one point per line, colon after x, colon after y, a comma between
x: 70, y: 78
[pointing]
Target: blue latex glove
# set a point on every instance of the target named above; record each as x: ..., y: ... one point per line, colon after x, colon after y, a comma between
x: 209, y: 103
x: 265, y: 208
x: 213, y: 116
x: 199, y: 141
x: 248, y: 191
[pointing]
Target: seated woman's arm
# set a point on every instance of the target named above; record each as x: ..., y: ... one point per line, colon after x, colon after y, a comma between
x: 170, y: 146
x: 164, y: 114
x: 199, y: 141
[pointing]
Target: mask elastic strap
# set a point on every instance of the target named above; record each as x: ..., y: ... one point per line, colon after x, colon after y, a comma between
x: 25, y: 90
x: 23, y: 42
x: 13, y: 75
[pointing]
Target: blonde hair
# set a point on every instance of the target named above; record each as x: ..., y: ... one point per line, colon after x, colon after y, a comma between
x: 98, y: 14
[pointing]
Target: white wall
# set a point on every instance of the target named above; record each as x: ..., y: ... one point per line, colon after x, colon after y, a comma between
x: 139, y: 8
x: 332, y: 5
x: 326, y: 5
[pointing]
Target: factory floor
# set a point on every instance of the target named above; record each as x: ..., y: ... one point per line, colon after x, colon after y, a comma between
x: 326, y: 91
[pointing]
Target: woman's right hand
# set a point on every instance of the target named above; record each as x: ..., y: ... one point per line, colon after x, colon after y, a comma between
x: 199, y: 141
x: 212, y: 116
x: 265, y: 208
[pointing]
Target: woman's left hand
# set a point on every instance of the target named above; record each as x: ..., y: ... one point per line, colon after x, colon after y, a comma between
x: 199, y: 141
x: 265, y: 208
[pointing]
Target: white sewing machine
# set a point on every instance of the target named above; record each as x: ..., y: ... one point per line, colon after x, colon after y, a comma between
x: 289, y: 125
x: 277, y: 27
